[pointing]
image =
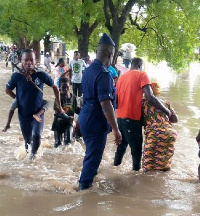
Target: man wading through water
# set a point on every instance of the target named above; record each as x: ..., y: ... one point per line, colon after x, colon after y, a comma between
x: 97, y: 114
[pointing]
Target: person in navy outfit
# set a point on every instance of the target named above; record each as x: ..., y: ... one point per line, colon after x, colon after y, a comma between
x: 29, y: 99
x: 97, y: 117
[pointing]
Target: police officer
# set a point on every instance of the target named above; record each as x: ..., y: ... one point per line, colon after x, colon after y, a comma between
x: 97, y: 114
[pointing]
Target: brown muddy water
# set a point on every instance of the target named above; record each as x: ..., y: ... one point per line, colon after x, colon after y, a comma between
x: 48, y: 185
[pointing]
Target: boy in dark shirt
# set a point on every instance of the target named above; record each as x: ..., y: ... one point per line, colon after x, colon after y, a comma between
x: 29, y: 99
x: 62, y: 124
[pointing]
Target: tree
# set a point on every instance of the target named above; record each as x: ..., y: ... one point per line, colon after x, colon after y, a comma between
x: 161, y: 30
x: 87, y: 14
x: 31, y: 20
x: 116, y: 14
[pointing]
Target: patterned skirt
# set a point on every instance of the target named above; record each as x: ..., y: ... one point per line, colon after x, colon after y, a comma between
x: 158, y: 149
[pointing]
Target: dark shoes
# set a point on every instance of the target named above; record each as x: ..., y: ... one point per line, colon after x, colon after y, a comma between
x: 84, y: 186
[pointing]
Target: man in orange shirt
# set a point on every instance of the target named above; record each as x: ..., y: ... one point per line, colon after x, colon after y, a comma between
x: 130, y: 89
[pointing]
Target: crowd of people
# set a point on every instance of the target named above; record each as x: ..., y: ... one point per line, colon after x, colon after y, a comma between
x: 101, y: 90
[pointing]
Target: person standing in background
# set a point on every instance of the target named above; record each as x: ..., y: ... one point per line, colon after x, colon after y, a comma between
x: 47, y: 62
x: 61, y: 71
x: 76, y: 67
x: 113, y: 73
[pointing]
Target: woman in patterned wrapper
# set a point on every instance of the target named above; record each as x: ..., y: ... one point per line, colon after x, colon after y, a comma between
x: 160, y: 136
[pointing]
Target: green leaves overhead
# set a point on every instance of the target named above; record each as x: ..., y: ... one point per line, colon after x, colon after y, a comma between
x: 171, y: 31
x: 160, y: 29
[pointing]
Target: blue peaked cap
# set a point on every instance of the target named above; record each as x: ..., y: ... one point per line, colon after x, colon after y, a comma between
x: 105, y: 39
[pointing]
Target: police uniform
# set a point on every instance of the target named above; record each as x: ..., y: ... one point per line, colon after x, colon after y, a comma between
x: 97, y: 85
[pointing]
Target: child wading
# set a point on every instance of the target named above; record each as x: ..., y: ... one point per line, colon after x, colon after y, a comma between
x: 62, y: 123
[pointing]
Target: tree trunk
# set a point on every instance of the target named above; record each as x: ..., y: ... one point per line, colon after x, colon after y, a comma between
x: 83, y: 42
x: 116, y: 33
x: 21, y: 43
x: 36, y: 48
x: 116, y: 27
x: 84, y: 36
x: 47, y: 44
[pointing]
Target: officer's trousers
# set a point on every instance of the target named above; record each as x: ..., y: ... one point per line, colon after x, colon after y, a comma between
x: 95, y: 145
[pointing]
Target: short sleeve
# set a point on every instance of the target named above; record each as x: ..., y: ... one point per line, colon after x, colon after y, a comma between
x: 47, y: 79
x: 105, y: 87
x: 144, y: 80
x: 12, y: 83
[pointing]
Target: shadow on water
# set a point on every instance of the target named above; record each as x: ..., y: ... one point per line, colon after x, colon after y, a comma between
x: 48, y: 185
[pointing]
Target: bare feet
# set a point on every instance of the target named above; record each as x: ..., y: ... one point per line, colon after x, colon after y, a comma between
x: 37, y: 118
x: 6, y: 128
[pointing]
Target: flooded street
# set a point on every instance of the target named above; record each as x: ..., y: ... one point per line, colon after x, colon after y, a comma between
x: 48, y: 185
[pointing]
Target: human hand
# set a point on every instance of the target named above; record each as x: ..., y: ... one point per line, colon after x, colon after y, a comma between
x: 28, y: 78
x: 173, y: 118
x: 61, y: 110
x: 117, y: 136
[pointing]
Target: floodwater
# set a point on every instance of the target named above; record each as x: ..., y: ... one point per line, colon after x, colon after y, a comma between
x: 48, y: 185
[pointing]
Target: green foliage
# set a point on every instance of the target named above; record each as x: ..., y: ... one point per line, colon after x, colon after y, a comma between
x: 5, y: 39
x: 171, y: 32
x: 163, y: 30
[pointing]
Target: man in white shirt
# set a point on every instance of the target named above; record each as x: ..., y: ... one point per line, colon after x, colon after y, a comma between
x: 47, y: 62
x: 76, y: 67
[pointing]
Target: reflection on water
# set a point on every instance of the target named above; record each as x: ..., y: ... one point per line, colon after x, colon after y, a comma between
x: 117, y: 190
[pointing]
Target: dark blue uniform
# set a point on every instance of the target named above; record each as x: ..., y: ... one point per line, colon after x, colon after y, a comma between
x: 97, y: 85
x: 29, y: 102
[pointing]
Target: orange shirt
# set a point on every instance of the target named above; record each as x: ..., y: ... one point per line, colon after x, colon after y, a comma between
x: 130, y: 93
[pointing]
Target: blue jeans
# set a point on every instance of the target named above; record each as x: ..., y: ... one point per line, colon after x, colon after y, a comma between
x: 94, y: 151
x: 131, y: 131
x: 32, y: 131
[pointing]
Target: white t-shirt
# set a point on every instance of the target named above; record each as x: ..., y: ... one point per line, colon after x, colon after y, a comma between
x: 77, y: 67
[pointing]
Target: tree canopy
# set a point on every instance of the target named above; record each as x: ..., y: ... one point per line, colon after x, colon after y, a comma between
x: 160, y: 29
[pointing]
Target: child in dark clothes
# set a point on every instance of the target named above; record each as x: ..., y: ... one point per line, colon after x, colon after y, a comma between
x: 62, y: 124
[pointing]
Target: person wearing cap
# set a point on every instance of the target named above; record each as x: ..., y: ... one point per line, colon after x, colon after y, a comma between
x: 97, y: 116
x: 130, y: 88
